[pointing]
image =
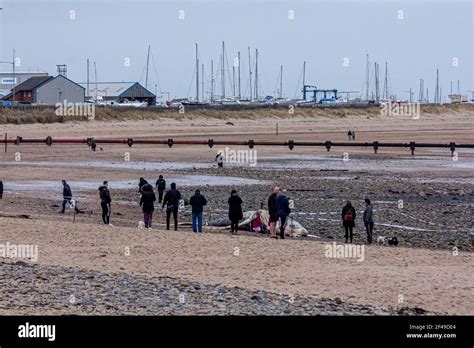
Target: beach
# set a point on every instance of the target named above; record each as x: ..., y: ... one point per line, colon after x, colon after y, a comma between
x: 424, y: 200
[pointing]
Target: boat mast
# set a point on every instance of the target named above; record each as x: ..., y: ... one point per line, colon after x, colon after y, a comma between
x: 197, y: 74
x: 304, y: 77
x: 376, y: 67
x: 96, y: 91
x: 222, y: 70
x: 256, y: 74
x: 212, y: 80
x: 250, y: 75
x: 281, y: 82
x: 238, y: 73
x: 233, y: 80
x: 147, y: 64
x: 367, y: 77
x: 385, y: 82
x: 88, y: 94
x: 202, y: 80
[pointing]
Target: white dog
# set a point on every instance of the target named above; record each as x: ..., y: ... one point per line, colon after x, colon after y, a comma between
x: 141, y: 225
x: 381, y: 240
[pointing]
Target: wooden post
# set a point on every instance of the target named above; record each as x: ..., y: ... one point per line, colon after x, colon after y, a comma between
x: 277, y: 128
x: 5, y: 142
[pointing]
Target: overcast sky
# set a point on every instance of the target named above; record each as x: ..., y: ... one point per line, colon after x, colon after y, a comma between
x: 415, y: 37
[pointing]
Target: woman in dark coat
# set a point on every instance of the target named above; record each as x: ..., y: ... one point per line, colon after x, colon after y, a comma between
x: 235, y: 211
x: 348, y: 219
x: 147, y: 202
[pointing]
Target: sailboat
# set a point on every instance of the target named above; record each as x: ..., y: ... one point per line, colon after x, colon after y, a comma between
x: 197, y: 101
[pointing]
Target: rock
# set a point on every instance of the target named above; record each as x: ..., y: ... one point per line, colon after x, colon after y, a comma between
x: 338, y: 300
x: 59, y: 307
x: 21, y: 263
x: 256, y: 298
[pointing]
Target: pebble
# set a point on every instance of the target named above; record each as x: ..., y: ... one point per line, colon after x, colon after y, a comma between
x: 125, y: 294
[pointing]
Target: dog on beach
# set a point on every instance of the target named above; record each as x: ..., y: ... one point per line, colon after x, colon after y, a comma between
x: 141, y: 225
x: 381, y: 240
x: 393, y: 241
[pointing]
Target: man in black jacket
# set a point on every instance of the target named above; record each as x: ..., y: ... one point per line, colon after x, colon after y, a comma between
x: 142, y: 182
x: 105, y: 202
x: 272, y: 212
x: 197, y: 202
x: 147, y: 202
x: 161, y: 187
x: 171, y: 200
x: 67, y: 197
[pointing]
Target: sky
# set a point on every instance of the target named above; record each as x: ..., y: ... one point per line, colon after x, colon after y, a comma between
x: 415, y: 37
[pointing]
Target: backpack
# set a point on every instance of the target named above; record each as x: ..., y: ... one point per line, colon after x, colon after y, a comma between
x: 348, y: 216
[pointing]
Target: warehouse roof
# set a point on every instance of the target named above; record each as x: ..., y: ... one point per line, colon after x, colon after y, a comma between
x: 110, y: 89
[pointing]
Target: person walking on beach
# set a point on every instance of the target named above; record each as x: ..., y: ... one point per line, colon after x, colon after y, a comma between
x: 1, y: 189
x: 67, y: 198
x: 171, y: 200
x: 235, y: 211
x: 353, y: 135
x: 220, y: 160
x: 348, y: 220
x: 147, y: 202
x: 161, y: 187
x: 283, y: 211
x: 272, y: 211
x: 197, y: 202
x: 105, y: 202
x: 142, y: 183
x: 368, y: 220
x: 349, y: 135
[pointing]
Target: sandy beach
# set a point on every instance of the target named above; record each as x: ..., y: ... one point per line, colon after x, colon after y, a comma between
x: 428, y: 271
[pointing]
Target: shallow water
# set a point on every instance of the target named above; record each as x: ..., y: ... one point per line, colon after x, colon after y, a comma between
x: 117, y: 165
x: 294, y: 161
x: 186, y: 180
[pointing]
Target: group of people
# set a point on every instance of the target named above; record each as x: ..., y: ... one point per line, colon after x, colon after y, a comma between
x: 170, y: 199
x: 348, y: 216
x: 351, y: 135
x: 278, y: 208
